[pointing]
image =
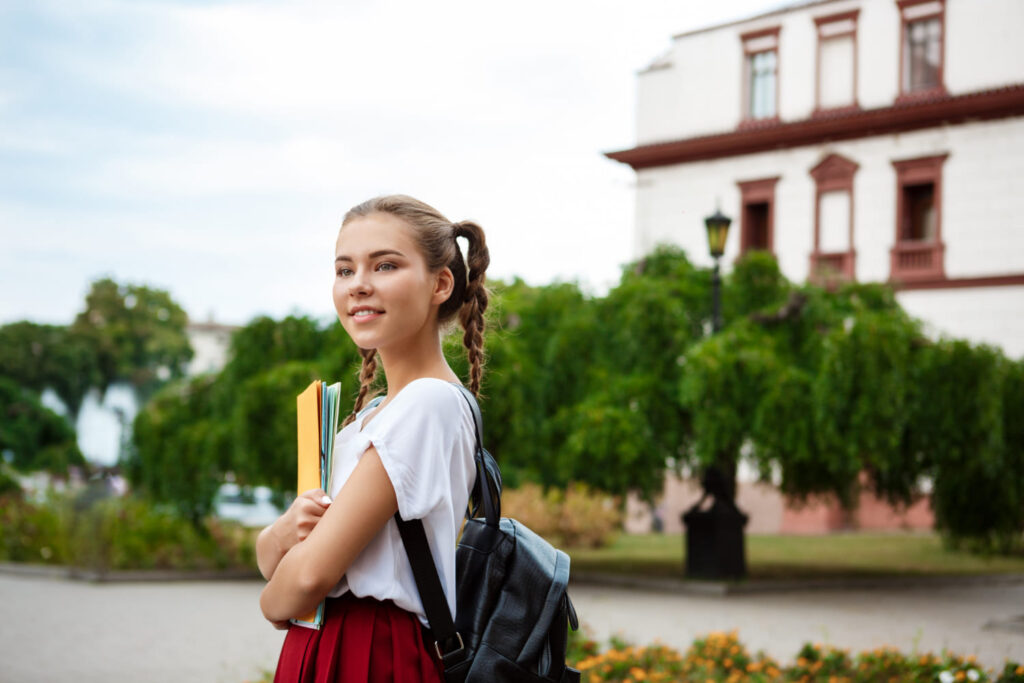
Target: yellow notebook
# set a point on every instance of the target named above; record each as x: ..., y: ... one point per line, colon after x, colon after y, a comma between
x: 317, y: 423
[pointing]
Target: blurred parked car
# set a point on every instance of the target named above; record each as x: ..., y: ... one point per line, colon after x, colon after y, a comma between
x: 251, y: 506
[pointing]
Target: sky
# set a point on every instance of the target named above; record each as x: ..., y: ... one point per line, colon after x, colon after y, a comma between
x: 210, y: 149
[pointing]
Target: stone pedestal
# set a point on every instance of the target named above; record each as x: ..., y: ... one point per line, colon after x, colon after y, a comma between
x: 714, y: 542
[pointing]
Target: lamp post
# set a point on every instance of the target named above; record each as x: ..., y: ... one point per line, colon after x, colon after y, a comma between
x: 717, y: 226
x: 714, y: 536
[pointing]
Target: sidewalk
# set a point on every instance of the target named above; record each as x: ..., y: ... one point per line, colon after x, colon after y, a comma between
x: 55, y: 629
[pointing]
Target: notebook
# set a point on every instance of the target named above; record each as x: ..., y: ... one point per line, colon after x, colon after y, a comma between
x: 317, y: 424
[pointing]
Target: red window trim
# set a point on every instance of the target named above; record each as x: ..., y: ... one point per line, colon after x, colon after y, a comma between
x: 746, y: 120
x: 820, y: 22
x: 759, y: 191
x: 833, y: 173
x: 911, y: 260
x: 940, y: 89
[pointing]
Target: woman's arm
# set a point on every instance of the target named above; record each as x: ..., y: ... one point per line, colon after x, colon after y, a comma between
x: 309, y: 570
x: 293, y: 526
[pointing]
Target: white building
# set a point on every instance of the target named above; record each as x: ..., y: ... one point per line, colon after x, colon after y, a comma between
x: 881, y: 140
x: 210, y: 342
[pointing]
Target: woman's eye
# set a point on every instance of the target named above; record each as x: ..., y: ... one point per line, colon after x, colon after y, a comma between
x: 386, y: 266
x: 344, y: 272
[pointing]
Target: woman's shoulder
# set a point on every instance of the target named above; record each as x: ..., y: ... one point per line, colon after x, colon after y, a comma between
x: 432, y: 394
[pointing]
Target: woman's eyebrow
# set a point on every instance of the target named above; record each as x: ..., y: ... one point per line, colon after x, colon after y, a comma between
x: 376, y: 254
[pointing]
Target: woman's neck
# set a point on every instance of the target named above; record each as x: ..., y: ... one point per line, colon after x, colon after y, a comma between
x: 420, y: 358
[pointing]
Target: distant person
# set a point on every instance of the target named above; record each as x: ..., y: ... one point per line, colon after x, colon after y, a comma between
x: 400, y: 280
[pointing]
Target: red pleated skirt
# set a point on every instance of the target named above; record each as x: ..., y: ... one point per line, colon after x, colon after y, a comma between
x: 362, y: 640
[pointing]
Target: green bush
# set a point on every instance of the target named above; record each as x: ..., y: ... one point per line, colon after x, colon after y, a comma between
x: 117, y: 534
x: 31, y: 532
x: 578, y: 517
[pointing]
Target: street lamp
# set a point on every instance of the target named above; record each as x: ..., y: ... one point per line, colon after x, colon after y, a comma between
x: 714, y: 536
x: 717, y: 226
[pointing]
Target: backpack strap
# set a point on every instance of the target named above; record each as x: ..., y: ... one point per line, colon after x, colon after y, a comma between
x: 448, y: 643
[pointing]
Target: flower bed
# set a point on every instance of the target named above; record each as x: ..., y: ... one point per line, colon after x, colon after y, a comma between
x: 722, y: 658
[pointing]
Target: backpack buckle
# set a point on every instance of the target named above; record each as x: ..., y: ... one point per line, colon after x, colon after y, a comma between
x: 437, y: 648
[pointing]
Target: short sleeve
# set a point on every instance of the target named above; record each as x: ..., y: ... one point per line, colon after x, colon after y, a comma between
x: 416, y: 436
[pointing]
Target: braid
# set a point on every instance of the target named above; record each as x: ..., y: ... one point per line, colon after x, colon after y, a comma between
x: 366, y: 375
x: 471, y: 313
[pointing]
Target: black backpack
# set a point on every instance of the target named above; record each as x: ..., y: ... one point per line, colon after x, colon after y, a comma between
x: 514, y: 614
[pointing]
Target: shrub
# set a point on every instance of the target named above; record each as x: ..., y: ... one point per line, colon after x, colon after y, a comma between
x: 576, y: 517
x: 31, y: 532
x: 117, y: 533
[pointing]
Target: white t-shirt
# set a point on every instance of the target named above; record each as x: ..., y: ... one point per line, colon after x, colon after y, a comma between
x: 425, y: 438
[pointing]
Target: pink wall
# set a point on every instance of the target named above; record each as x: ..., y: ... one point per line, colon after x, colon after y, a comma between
x: 770, y: 513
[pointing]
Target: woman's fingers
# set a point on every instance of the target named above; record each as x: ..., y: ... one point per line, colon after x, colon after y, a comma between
x: 318, y: 496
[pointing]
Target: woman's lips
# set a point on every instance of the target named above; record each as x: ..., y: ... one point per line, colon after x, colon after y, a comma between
x: 365, y: 315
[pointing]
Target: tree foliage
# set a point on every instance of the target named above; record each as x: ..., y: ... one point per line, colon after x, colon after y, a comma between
x: 240, y: 422
x: 33, y: 436
x: 136, y: 333
x: 180, y: 448
x: 40, y: 356
x: 827, y: 390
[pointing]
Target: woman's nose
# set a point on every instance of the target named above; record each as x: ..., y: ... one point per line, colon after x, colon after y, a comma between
x: 360, y: 283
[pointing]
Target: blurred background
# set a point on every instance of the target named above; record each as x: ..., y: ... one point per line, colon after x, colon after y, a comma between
x: 757, y: 272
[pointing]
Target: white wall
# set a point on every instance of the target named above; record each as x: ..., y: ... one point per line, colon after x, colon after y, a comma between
x: 700, y: 91
x: 99, y: 426
x: 982, y: 315
x: 983, y: 209
x: 984, y: 47
x: 210, y: 345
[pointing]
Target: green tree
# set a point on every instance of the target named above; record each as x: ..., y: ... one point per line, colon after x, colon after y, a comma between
x: 33, y: 436
x: 180, y: 448
x: 40, y: 356
x: 967, y: 427
x: 263, y: 425
x: 138, y: 334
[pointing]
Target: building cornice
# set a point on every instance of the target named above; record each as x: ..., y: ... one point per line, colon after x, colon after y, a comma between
x: 926, y: 112
x: 1011, y: 280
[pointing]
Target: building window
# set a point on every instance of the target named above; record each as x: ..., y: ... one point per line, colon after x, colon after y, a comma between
x: 760, y: 82
x: 836, y: 85
x: 918, y: 252
x: 833, y: 256
x: 757, y: 219
x: 923, y: 26
x: 918, y: 220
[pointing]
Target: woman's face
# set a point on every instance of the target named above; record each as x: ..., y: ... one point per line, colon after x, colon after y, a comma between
x: 384, y: 293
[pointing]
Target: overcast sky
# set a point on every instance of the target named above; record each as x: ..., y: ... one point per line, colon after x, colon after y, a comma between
x: 211, y: 148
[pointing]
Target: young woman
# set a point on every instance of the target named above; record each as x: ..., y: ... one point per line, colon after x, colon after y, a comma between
x: 400, y: 279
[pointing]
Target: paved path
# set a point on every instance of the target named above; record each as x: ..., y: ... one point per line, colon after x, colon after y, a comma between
x: 56, y: 630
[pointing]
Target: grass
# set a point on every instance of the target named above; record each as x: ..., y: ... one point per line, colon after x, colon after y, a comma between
x: 785, y: 557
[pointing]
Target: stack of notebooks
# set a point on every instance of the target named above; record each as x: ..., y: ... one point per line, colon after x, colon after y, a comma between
x: 317, y: 425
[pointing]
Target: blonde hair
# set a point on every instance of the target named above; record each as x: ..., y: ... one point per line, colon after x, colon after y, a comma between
x: 436, y: 237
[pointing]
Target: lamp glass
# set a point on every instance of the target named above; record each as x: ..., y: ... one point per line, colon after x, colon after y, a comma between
x: 718, y: 231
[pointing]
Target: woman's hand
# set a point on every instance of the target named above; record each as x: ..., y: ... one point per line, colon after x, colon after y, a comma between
x: 281, y: 625
x: 309, y: 570
x: 291, y: 527
x: 300, y: 518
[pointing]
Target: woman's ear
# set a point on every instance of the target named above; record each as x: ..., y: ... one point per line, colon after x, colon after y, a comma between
x: 444, y: 286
